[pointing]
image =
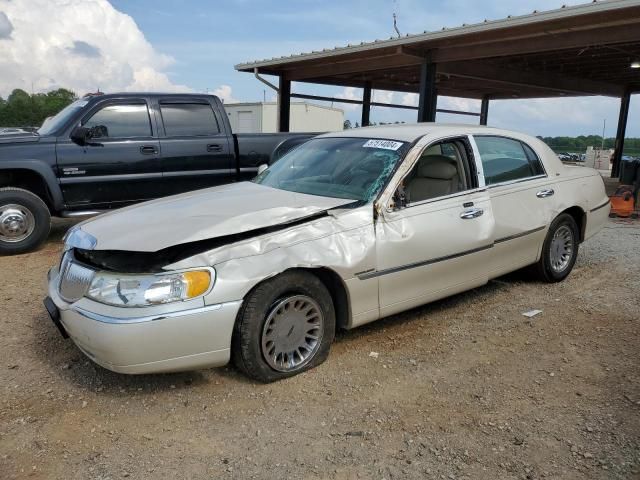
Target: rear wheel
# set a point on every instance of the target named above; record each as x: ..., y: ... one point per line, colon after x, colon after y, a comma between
x: 286, y: 326
x: 25, y: 221
x: 559, y: 251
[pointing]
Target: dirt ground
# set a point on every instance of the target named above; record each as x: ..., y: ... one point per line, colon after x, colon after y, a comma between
x: 463, y: 388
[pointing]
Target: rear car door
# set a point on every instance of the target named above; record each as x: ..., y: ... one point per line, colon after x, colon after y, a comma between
x: 121, y: 164
x: 439, y: 243
x: 522, y: 197
x: 196, y: 151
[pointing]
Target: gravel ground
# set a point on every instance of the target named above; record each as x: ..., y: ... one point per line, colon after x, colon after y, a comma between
x: 463, y: 388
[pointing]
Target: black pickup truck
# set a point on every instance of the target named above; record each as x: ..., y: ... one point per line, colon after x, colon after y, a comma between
x: 107, y: 151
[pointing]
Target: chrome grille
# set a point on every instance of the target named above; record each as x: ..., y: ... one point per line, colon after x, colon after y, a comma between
x: 74, y: 279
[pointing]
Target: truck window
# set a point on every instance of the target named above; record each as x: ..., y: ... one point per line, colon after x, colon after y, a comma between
x: 120, y: 121
x: 188, y: 119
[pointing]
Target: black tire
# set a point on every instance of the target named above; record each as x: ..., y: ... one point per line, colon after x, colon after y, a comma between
x: 544, y: 270
x: 246, y: 345
x: 30, y: 209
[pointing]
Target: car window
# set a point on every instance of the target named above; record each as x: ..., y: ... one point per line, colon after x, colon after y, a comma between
x: 441, y: 170
x: 120, y: 121
x: 506, y: 159
x: 188, y: 119
x: 338, y: 167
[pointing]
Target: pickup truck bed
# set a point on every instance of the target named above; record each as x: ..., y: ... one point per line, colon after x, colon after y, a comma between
x: 107, y: 151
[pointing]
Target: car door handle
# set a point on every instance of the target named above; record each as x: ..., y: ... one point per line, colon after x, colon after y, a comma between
x: 545, y: 193
x: 471, y: 213
x: 148, y: 150
x: 214, y: 147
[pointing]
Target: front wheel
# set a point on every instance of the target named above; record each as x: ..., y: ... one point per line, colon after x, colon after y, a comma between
x: 24, y: 221
x: 559, y: 251
x: 286, y: 326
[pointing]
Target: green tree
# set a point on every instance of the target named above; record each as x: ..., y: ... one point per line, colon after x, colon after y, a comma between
x: 23, y: 110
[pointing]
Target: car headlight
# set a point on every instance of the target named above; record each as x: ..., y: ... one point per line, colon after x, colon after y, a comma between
x: 145, y: 290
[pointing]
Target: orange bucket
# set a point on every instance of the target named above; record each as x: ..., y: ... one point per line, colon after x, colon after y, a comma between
x: 622, y: 202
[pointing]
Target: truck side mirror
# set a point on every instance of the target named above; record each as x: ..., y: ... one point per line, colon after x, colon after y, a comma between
x: 80, y: 135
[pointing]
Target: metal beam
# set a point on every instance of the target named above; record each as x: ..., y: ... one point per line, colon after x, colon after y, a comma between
x: 457, y: 112
x: 484, y: 110
x: 542, y: 43
x: 368, y: 63
x: 325, y: 99
x: 428, y: 94
x: 366, y: 104
x: 284, y: 104
x: 620, y: 134
x: 542, y: 80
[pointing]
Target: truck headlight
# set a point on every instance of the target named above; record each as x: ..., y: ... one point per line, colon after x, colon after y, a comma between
x: 143, y: 290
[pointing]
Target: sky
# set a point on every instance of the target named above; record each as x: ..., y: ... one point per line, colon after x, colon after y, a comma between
x: 193, y: 45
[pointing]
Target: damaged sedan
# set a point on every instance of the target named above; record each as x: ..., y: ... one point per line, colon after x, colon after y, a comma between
x: 347, y: 228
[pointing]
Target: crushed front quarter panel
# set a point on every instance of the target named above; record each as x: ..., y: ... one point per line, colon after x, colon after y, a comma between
x: 343, y: 242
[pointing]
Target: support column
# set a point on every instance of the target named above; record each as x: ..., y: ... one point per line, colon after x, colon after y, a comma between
x: 484, y: 110
x: 366, y: 104
x: 428, y: 94
x: 284, y: 104
x: 620, y: 134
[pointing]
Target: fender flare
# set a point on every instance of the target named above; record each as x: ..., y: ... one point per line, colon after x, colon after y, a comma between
x: 44, y: 171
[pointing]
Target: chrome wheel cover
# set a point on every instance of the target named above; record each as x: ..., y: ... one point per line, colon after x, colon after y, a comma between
x: 561, y: 249
x: 16, y: 223
x: 292, y: 333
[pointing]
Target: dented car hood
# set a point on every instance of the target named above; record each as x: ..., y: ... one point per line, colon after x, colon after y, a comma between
x: 201, y: 215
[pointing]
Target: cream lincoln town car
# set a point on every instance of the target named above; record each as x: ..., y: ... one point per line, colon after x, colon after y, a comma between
x: 347, y: 228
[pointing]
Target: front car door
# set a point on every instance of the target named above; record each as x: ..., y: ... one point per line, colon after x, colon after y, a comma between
x: 121, y: 164
x: 522, y: 196
x: 433, y: 239
x: 196, y: 152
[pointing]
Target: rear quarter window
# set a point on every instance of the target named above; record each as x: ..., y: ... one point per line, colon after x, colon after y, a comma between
x: 506, y: 159
x: 188, y: 119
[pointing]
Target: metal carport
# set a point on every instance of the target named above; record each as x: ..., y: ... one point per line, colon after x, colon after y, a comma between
x: 582, y: 50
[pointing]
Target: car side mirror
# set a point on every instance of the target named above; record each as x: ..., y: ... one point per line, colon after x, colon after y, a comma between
x: 262, y: 168
x: 399, y: 198
x: 81, y: 135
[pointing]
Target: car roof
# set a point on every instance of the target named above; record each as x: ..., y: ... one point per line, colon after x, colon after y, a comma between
x: 412, y: 132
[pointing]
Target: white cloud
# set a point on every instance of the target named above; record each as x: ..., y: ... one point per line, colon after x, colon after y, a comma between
x: 350, y: 93
x: 5, y: 26
x: 225, y: 94
x: 383, y: 96
x: 410, y: 99
x: 79, y: 44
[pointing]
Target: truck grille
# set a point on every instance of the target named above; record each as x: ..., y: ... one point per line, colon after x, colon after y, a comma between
x: 74, y: 278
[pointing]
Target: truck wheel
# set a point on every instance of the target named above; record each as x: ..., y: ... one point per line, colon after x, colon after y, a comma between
x: 25, y: 221
x: 286, y: 326
x: 559, y: 251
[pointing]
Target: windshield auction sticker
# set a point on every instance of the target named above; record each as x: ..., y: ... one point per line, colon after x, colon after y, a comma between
x: 386, y: 144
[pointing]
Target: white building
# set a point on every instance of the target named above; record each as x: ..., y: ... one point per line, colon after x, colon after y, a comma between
x: 262, y: 117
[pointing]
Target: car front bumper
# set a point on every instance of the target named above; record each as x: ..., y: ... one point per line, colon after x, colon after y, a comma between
x: 150, y: 341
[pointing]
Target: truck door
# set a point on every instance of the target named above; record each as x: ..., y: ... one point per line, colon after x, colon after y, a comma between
x: 196, y: 151
x: 122, y: 163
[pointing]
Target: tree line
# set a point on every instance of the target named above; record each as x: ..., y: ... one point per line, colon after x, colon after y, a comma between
x: 22, y: 109
x: 579, y: 144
